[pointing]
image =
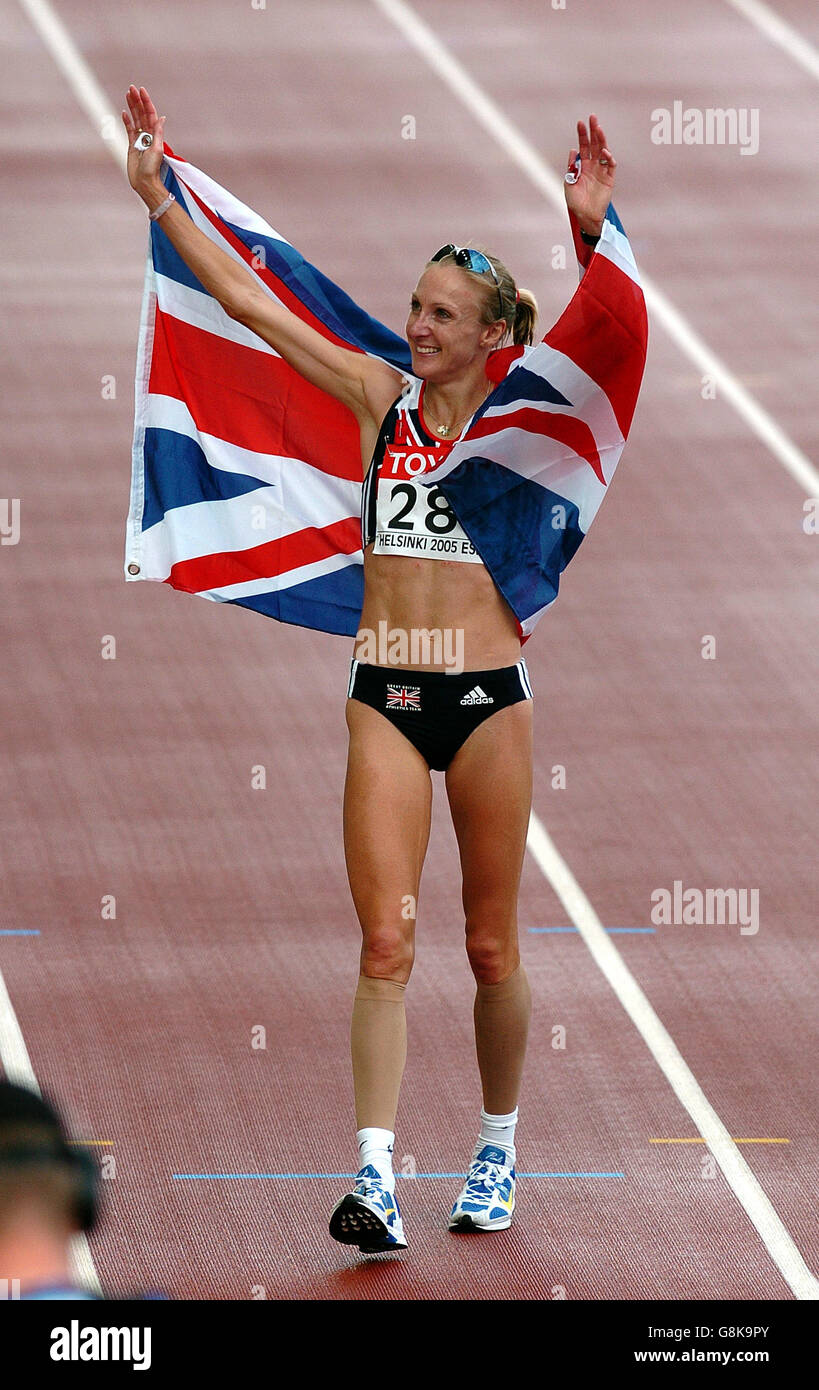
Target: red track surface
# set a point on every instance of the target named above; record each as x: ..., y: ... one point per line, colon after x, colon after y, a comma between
x: 132, y: 776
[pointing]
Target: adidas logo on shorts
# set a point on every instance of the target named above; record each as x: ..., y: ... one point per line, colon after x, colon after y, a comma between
x: 477, y: 696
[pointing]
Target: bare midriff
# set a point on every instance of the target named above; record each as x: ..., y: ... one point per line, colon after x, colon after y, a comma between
x: 403, y: 594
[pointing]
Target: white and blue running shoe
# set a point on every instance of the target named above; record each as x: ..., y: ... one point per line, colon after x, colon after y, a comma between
x: 487, y: 1198
x: 368, y: 1216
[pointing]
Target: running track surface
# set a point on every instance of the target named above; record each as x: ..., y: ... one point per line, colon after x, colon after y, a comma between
x: 132, y: 776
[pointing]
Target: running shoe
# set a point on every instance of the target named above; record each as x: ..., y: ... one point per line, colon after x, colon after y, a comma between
x: 487, y: 1198
x: 368, y: 1216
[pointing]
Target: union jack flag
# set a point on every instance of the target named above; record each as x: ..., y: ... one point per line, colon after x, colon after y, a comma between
x: 246, y: 479
x: 403, y: 697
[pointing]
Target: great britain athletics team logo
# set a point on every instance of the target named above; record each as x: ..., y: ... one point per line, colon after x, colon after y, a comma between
x: 403, y: 697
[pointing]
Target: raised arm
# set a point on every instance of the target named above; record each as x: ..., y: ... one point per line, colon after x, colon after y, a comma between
x: 362, y: 383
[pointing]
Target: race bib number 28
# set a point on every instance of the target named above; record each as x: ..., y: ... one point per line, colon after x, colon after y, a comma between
x: 415, y: 520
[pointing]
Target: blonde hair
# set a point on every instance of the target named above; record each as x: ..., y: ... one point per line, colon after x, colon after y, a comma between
x: 519, y: 306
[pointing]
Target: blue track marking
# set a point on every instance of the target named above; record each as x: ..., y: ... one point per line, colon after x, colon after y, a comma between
x: 613, y: 931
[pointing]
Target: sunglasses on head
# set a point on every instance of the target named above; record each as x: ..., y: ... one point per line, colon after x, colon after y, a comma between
x: 472, y: 260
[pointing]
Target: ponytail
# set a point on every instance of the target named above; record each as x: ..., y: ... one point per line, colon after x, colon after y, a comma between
x: 523, y: 327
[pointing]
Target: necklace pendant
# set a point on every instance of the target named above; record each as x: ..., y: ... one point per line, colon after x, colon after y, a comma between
x: 444, y: 430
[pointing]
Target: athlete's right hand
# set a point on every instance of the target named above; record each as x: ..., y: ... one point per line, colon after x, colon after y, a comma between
x: 143, y: 165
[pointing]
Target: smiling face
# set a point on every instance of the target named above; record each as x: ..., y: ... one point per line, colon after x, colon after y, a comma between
x: 444, y: 327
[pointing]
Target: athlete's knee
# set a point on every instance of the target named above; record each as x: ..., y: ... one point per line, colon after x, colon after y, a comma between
x: 493, y: 954
x: 387, y: 952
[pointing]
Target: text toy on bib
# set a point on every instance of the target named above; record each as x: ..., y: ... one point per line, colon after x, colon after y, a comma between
x: 412, y: 519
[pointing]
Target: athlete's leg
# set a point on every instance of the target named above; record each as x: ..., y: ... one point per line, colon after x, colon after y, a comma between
x: 489, y: 786
x: 387, y: 808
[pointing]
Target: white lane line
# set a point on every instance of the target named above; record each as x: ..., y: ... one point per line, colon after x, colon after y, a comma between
x: 17, y: 1067
x: 80, y: 78
x: 772, y: 1232
x: 13, y: 1051
x: 769, y: 23
x: 524, y: 154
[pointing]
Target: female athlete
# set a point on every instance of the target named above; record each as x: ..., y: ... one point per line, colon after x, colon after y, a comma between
x: 473, y: 723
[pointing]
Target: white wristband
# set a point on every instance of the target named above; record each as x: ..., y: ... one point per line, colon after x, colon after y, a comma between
x: 163, y: 207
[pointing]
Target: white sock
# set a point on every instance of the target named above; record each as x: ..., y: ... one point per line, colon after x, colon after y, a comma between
x: 375, y: 1146
x: 500, y: 1131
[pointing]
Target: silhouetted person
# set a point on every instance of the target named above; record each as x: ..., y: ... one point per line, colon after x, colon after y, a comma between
x: 48, y: 1193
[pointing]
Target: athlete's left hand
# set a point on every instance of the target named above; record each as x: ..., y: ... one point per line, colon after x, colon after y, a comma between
x: 589, y: 197
x: 143, y: 167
